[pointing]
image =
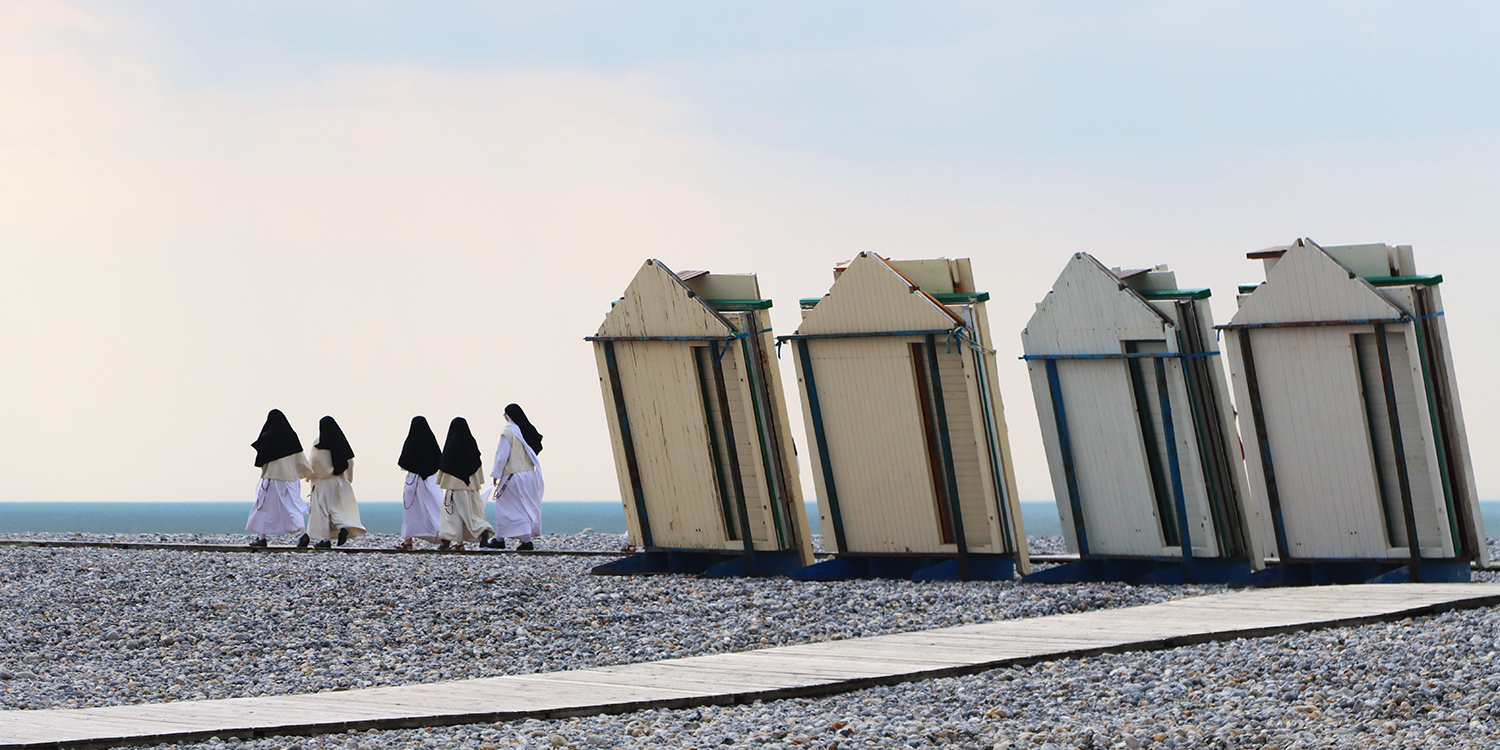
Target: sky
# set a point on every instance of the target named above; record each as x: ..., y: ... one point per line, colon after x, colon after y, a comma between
x: 379, y: 209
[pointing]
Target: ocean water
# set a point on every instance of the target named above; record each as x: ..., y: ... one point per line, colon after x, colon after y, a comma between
x: 229, y: 518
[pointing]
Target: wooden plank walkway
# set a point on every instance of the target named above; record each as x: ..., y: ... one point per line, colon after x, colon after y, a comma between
x: 789, y: 671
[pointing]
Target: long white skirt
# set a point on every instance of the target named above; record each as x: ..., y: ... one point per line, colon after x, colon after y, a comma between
x: 279, y: 508
x: 463, y: 516
x: 421, y: 506
x: 518, y: 505
x: 333, y: 508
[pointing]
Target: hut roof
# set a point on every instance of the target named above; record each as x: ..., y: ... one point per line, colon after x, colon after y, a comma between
x: 871, y: 296
x: 1309, y: 284
x: 659, y: 303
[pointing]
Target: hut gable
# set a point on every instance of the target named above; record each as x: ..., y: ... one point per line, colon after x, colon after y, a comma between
x: 871, y: 295
x: 1090, y: 310
x: 1307, y: 284
x: 658, y: 303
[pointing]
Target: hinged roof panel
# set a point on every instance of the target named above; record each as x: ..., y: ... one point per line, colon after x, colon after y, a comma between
x: 1090, y: 308
x: 1308, y: 284
x: 658, y: 303
x: 871, y: 295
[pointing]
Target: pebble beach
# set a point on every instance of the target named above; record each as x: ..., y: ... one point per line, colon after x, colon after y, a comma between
x: 96, y: 627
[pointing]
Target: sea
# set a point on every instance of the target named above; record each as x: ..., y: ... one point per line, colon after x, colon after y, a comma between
x: 229, y: 518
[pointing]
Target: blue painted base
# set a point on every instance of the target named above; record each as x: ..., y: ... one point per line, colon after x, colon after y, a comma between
x: 917, y: 568
x: 1335, y: 572
x: 1143, y: 570
x: 712, y: 564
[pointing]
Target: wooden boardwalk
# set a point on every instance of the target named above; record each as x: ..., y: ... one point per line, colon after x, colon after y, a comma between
x: 790, y: 671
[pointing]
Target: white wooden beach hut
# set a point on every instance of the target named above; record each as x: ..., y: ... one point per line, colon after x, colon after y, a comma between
x: 1355, y: 442
x: 1138, y: 428
x: 697, y: 416
x: 905, y: 425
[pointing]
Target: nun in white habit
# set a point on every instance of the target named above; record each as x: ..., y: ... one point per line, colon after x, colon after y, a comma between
x: 279, y: 508
x: 334, y: 510
x: 422, y: 500
x: 461, y: 475
x: 518, y: 481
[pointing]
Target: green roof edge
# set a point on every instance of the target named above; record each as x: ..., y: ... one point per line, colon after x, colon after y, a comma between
x: 946, y: 298
x: 1175, y: 293
x: 738, y: 305
x: 1248, y: 288
x: 1431, y: 280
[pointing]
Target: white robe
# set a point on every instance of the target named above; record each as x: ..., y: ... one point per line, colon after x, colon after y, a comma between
x: 333, y: 505
x: 518, y: 494
x: 463, y: 508
x: 279, y: 507
x: 421, y: 507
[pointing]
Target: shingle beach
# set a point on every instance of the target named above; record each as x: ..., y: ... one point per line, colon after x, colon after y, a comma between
x: 97, y: 627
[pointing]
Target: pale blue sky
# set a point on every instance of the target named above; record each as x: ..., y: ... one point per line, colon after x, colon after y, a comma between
x: 887, y: 81
x: 187, y: 174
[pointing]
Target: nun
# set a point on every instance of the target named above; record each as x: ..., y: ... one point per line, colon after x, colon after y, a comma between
x: 517, y: 481
x: 422, y: 500
x: 279, y: 508
x: 461, y: 475
x: 334, y: 511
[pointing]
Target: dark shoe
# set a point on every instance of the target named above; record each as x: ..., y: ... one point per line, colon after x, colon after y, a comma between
x: 459, y: 547
x: 445, y: 544
x: 484, y: 538
x: 404, y: 545
x: 497, y: 543
x: 343, y: 536
x: 303, y: 541
x: 259, y: 543
x: 325, y: 544
x: 525, y: 547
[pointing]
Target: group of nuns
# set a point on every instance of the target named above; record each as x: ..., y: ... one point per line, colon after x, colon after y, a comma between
x: 442, y: 504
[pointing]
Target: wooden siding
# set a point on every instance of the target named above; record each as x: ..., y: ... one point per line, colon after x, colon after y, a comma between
x: 669, y: 428
x: 1465, y: 493
x: 780, y: 431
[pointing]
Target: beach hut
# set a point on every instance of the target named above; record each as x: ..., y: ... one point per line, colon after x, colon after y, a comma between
x: 697, y: 417
x: 905, y: 426
x: 1138, y: 428
x: 1349, y: 407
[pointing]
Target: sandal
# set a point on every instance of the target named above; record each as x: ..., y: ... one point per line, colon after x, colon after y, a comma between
x: 404, y: 545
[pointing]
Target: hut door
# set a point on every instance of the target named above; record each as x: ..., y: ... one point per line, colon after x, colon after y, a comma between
x: 721, y: 448
x: 1383, y: 450
x: 926, y: 405
x: 1153, y: 434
